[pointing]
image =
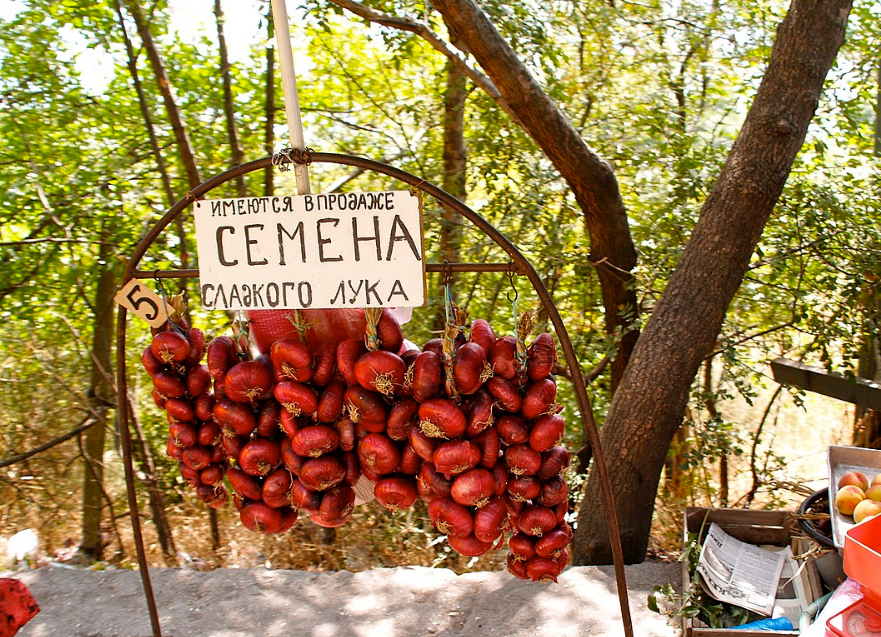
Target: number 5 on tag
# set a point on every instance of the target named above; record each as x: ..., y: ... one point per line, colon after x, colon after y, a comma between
x: 143, y: 302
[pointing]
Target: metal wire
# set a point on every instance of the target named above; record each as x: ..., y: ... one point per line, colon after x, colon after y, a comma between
x: 519, y: 265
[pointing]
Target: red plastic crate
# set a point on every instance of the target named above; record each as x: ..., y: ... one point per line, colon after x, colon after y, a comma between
x: 862, y: 563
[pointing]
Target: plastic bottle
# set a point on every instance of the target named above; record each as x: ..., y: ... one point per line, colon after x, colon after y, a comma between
x: 770, y: 624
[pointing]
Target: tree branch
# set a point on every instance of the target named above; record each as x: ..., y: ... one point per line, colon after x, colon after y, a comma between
x: 422, y: 30
x: 85, y: 424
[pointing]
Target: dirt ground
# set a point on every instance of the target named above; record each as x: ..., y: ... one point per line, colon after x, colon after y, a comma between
x: 391, y: 602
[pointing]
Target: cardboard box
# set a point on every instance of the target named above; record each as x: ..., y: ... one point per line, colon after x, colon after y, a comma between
x: 777, y: 528
x: 842, y: 459
x: 862, y: 557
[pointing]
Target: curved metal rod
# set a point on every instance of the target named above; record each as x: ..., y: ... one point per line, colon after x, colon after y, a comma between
x: 522, y: 265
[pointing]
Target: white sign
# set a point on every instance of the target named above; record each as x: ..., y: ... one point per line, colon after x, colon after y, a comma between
x: 338, y: 250
x: 143, y: 302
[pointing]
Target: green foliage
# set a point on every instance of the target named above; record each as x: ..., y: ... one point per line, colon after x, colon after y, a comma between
x: 658, y: 88
x: 694, y: 603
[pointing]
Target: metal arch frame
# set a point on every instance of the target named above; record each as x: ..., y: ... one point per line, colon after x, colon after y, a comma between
x: 519, y: 264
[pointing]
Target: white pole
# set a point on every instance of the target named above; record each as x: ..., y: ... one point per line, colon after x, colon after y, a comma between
x: 289, y: 88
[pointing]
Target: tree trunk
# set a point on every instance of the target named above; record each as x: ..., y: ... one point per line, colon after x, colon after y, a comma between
x: 184, y: 147
x: 269, y: 119
x: 100, y: 399
x: 591, y: 179
x: 132, y: 63
x: 228, y: 104
x: 147, y: 467
x: 455, y: 159
x: 647, y: 409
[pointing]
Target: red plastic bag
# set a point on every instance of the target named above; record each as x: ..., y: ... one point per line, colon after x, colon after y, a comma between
x: 17, y: 606
x: 325, y: 326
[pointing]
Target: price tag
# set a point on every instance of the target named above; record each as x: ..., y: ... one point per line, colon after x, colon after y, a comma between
x: 143, y: 302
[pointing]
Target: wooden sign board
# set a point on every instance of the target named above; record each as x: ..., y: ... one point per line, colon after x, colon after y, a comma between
x: 338, y: 250
x: 143, y: 302
x: 855, y: 390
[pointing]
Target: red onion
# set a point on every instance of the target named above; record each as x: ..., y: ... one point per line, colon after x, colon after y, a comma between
x: 209, y: 434
x: 553, y: 462
x: 473, y: 487
x: 522, y: 460
x: 401, y: 418
x: 269, y: 419
x: 482, y: 333
x: 434, y: 480
x: 325, y: 365
x: 470, y: 369
x: 524, y: 487
x: 291, y: 360
x: 469, y: 546
x: 321, y: 474
x: 233, y: 444
x: 539, y: 398
x: 296, y: 397
x: 169, y: 384
x: 489, y: 444
x: 379, y: 453
x: 336, y: 507
x: 234, y: 418
x: 304, y: 498
x: 389, y: 332
x: 491, y: 520
x: 258, y: 517
x: 396, y: 492
x: 480, y: 413
x: 547, y: 432
x: 315, y: 440
x: 245, y: 485
x: 536, y: 520
x: 152, y: 364
x: 198, y: 380
x: 292, y: 461
x: 277, y: 488
x: 183, y: 435
x: 441, y: 418
x: 410, y: 460
x: 522, y: 546
x: 422, y: 444
x: 291, y: 424
x: 541, y: 356
x: 553, y: 492
x: 456, y: 456
x: 347, y: 354
x: 330, y: 407
x: 505, y: 392
x: 512, y: 428
x: 260, y: 456
x: 220, y: 356
x: 365, y: 405
x: 427, y: 376
x: 196, y: 457
x: 170, y: 347
x: 502, y: 358
x: 450, y: 518
x: 196, y: 339
x: 353, y: 468
x: 516, y: 568
x: 380, y: 371
x: 552, y: 544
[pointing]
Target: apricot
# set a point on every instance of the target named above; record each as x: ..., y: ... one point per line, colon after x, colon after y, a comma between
x: 876, y: 480
x: 866, y: 509
x: 847, y: 498
x: 874, y: 492
x: 856, y: 478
